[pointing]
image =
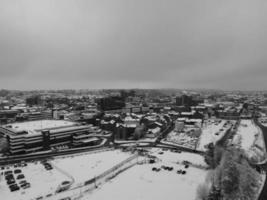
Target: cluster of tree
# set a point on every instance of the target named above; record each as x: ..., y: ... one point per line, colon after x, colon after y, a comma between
x: 213, y: 155
x: 233, y: 177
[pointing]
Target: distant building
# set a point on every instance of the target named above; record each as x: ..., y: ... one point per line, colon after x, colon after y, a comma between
x: 7, y: 116
x: 31, y: 116
x: 34, y: 100
x: 179, y: 125
x: 111, y: 103
x: 184, y: 100
x: 230, y: 113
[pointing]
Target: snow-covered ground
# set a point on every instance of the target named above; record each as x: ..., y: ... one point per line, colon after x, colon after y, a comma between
x: 78, y: 168
x: 43, y: 182
x: 181, y: 139
x: 86, y: 167
x: 168, y: 156
x: 212, y: 131
x: 246, y: 134
x: 249, y: 137
x: 141, y: 183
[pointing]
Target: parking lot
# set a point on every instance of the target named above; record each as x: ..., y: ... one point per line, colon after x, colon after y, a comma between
x: 29, y: 180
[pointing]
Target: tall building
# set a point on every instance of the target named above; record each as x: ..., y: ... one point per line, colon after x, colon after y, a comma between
x: 111, y: 103
x: 184, y: 100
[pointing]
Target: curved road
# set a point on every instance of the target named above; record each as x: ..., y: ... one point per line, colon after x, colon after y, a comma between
x: 263, y: 195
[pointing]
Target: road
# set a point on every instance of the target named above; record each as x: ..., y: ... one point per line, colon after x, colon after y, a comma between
x: 263, y: 195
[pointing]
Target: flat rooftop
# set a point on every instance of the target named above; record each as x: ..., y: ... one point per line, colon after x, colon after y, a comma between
x: 36, y: 126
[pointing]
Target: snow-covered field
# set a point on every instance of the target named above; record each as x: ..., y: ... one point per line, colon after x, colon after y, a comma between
x: 141, y: 183
x: 172, y: 157
x: 212, y: 131
x: 249, y: 137
x: 87, y: 166
x: 79, y: 169
x: 246, y: 134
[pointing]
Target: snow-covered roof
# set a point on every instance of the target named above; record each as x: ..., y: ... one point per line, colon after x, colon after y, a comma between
x: 32, y: 127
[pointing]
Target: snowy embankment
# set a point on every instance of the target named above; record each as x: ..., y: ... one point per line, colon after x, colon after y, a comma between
x: 249, y: 137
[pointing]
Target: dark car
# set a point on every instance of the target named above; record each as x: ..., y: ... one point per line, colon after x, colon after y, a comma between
x: 21, y: 176
x: 186, y: 162
x: 151, y: 161
x: 163, y: 167
x: 155, y: 169
x: 14, y: 187
x: 9, y: 176
x: 11, y: 181
x: 17, y: 171
x: 170, y: 168
x: 26, y: 185
x: 8, y: 172
x: 48, y: 166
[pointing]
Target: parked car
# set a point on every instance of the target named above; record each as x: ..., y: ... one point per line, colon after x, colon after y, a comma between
x: 9, y: 176
x: 26, y: 185
x: 8, y: 172
x: 14, y: 187
x: 17, y: 171
x: 22, y: 182
x: 11, y: 181
x: 21, y: 176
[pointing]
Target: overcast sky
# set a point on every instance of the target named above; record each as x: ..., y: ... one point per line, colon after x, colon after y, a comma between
x: 54, y: 44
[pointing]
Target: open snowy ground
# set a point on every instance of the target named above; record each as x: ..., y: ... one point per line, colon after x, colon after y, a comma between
x: 78, y: 168
x: 141, y: 183
x: 246, y: 134
x: 249, y: 137
x: 212, y: 131
x: 87, y: 166
x: 172, y: 157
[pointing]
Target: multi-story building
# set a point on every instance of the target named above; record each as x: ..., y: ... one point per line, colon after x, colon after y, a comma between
x: 33, y: 136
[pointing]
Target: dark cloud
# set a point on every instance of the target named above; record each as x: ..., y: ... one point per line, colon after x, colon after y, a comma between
x: 125, y: 43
